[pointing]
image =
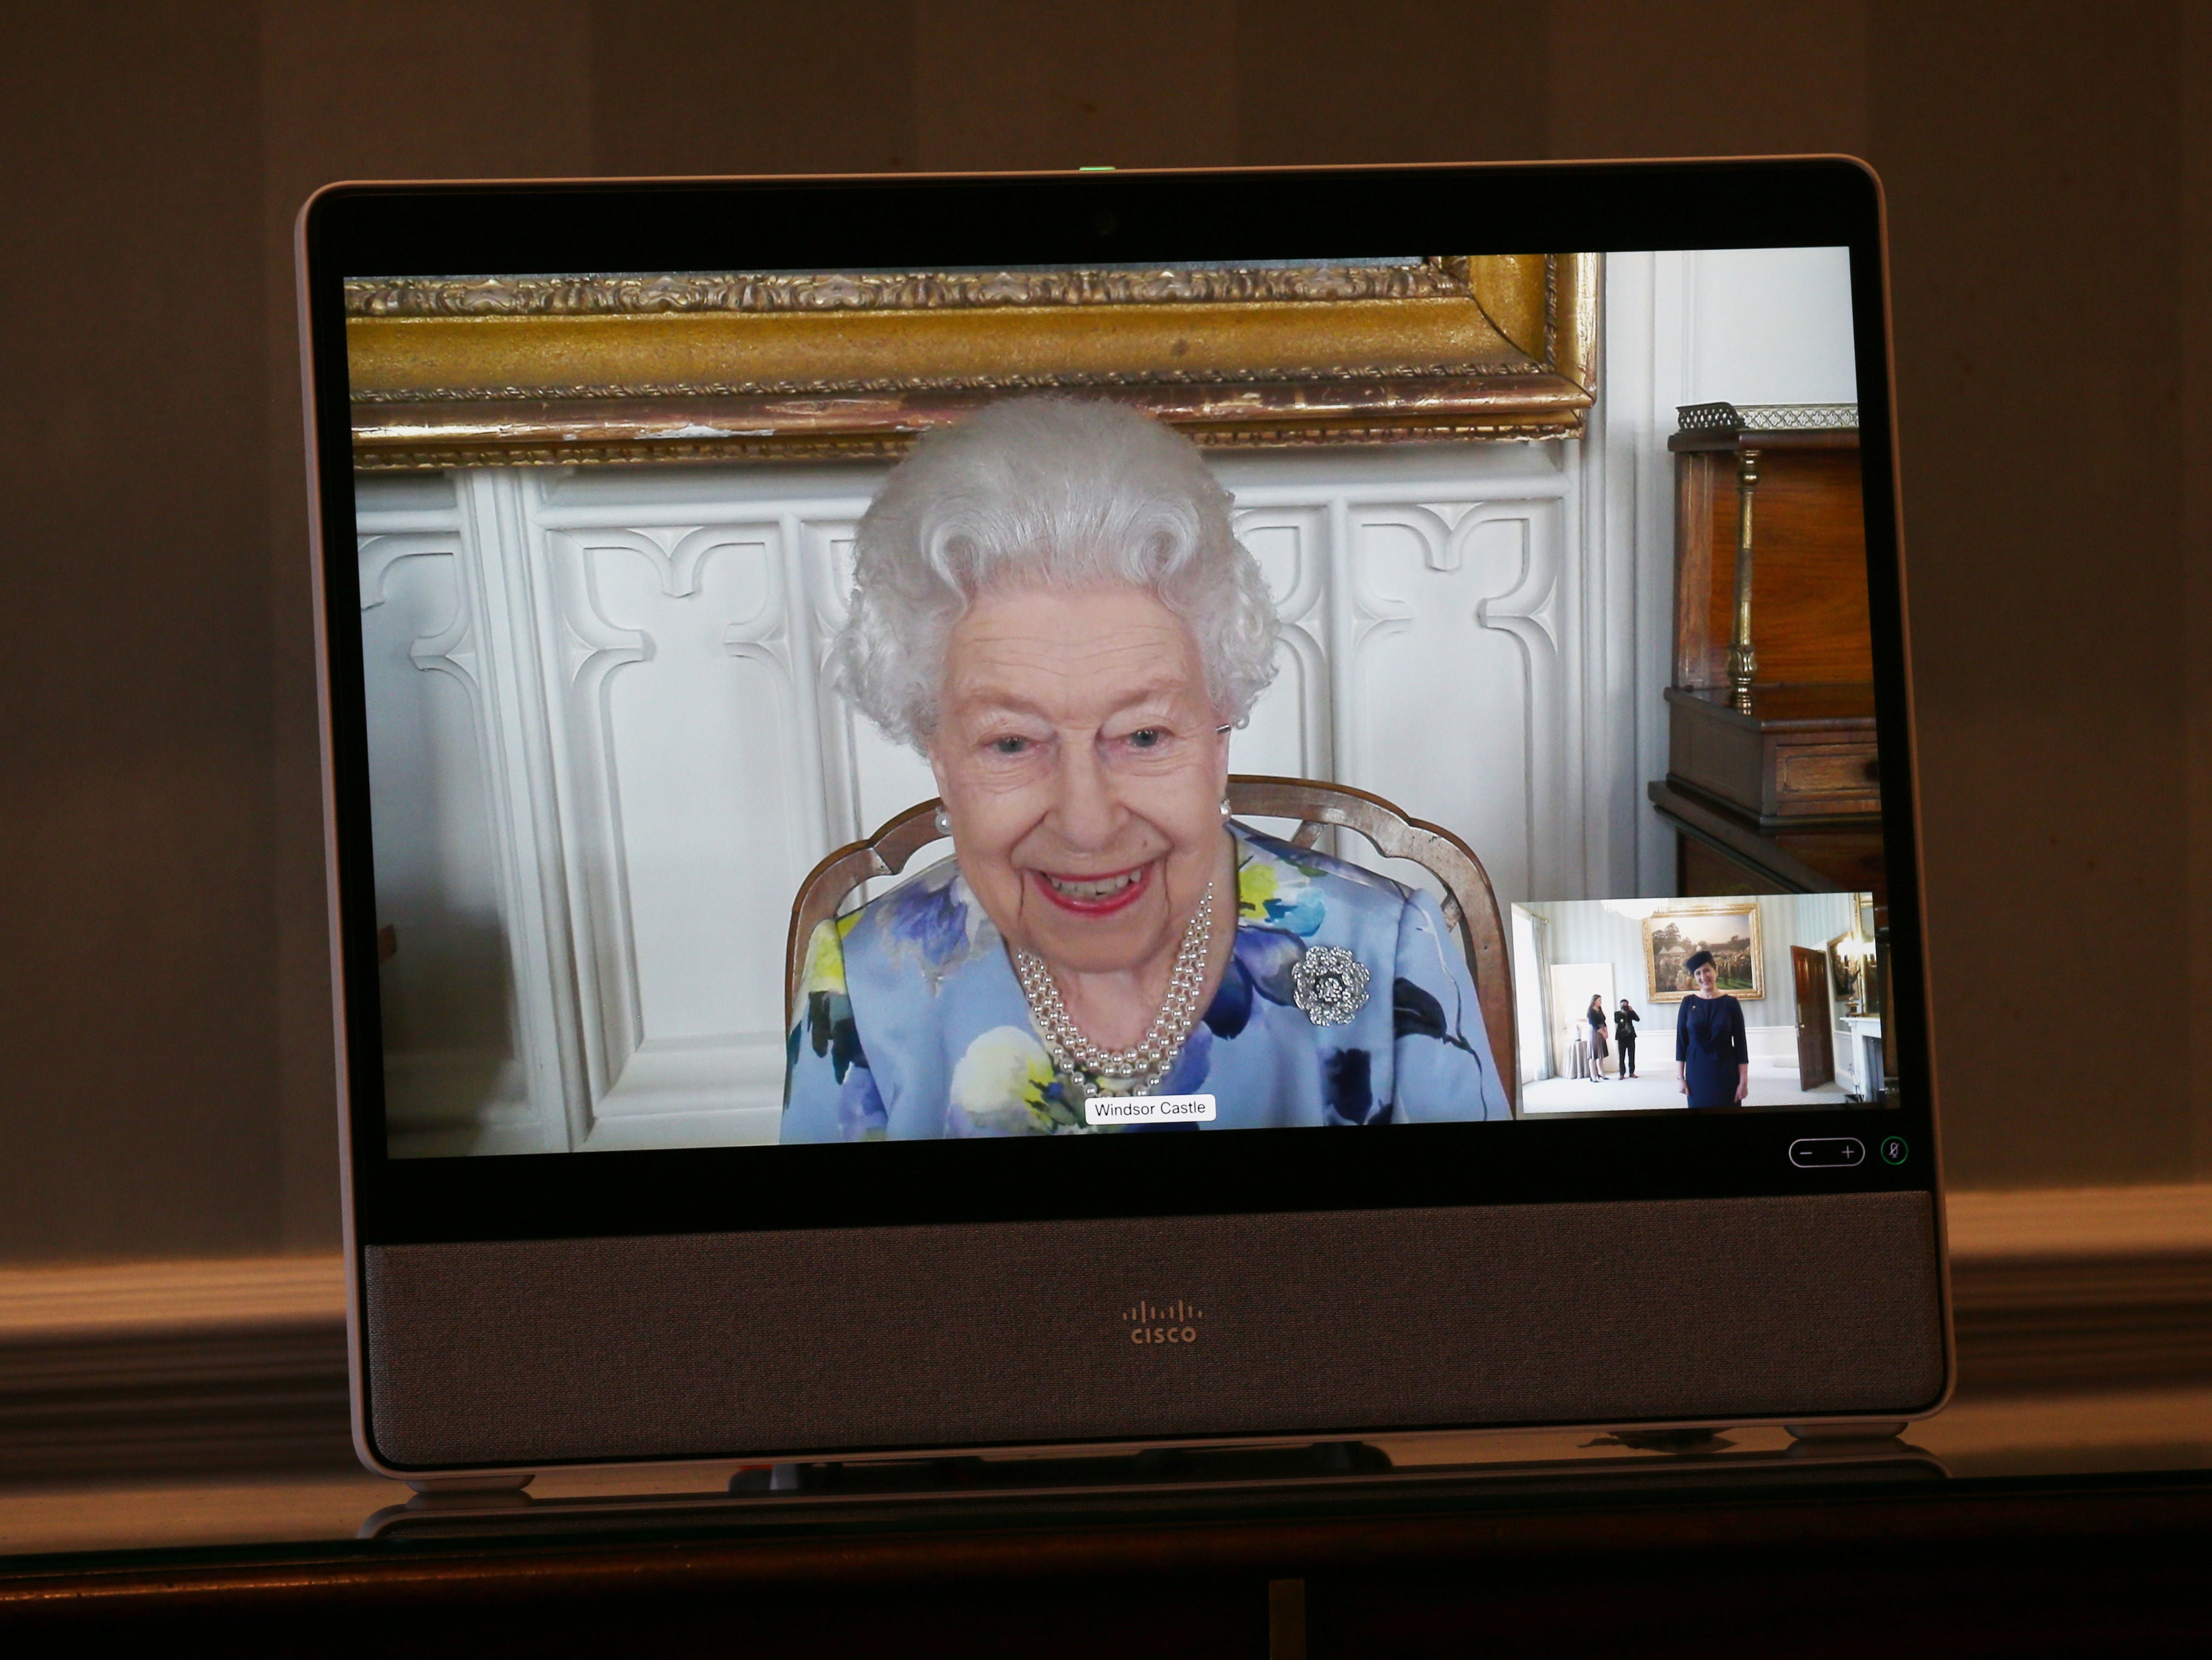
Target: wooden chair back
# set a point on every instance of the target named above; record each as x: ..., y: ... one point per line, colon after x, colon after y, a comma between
x: 1469, y: 905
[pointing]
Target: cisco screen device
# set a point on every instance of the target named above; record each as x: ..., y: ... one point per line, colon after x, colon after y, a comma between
x: 1118, y: 808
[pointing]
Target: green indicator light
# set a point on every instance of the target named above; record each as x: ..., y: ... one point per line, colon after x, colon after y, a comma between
x: 1094, y: 169
x: 1894, y: 1151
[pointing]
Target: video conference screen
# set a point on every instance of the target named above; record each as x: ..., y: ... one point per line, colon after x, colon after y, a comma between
x: 840, y: 706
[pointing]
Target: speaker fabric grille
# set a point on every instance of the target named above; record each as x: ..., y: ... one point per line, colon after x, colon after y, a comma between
x: 725, y: 1345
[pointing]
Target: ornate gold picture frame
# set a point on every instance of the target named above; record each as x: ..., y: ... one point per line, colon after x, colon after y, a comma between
x: 1730, y: 928
x: 1848, y: 974
x: 561, y: 370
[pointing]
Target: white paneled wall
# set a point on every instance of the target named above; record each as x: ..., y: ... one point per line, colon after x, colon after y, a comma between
x: 605, y: 753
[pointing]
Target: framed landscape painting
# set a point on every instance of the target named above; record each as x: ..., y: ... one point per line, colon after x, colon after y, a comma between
x: 1726, y: 927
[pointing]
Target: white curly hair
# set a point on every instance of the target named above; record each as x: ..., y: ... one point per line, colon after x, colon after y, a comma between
x: 1057, y: 491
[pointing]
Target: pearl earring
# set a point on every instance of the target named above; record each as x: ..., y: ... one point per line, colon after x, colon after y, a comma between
x: 1225, y: 806
x: 944, y: 825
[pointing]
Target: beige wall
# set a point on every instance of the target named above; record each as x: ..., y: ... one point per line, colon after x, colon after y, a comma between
x: 164, y: 1020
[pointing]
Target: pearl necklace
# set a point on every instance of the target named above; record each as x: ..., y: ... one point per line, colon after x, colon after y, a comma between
x: 1073, y: 1053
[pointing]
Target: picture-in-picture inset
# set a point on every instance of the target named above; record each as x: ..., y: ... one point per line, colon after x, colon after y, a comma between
x: 1765, y: 1000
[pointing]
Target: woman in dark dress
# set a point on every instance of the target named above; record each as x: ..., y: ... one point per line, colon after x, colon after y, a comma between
x: 1712, y: 1054
x: 1595, y: 1015
x: 1624, y: 1036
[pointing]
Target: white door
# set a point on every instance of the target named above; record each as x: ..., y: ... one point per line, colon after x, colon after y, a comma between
x: 1573, y: 985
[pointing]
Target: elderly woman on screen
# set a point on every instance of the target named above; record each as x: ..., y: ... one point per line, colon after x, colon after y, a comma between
x: 1050, y: 606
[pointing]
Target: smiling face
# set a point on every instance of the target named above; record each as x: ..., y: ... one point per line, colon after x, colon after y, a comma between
x: 1078, y: 757
x: 1708, y: 977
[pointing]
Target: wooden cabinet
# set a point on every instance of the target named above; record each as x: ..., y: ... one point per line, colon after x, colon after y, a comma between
x: 1772, y: 777
x: 1798, y: 753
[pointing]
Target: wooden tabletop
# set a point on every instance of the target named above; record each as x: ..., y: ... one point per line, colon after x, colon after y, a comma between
x: 2110, y: 1563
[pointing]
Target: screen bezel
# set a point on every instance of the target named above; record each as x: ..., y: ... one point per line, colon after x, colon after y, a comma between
x: 677, y: 225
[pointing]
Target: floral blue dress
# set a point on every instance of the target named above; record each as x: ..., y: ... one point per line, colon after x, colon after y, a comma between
x: 910, y: 1022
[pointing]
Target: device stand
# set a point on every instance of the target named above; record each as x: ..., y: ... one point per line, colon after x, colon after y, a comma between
x: 1156, y: 1466
x: 498, y: 1482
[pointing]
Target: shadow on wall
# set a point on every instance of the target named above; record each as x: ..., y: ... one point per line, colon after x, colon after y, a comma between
x: 453, y: 1084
